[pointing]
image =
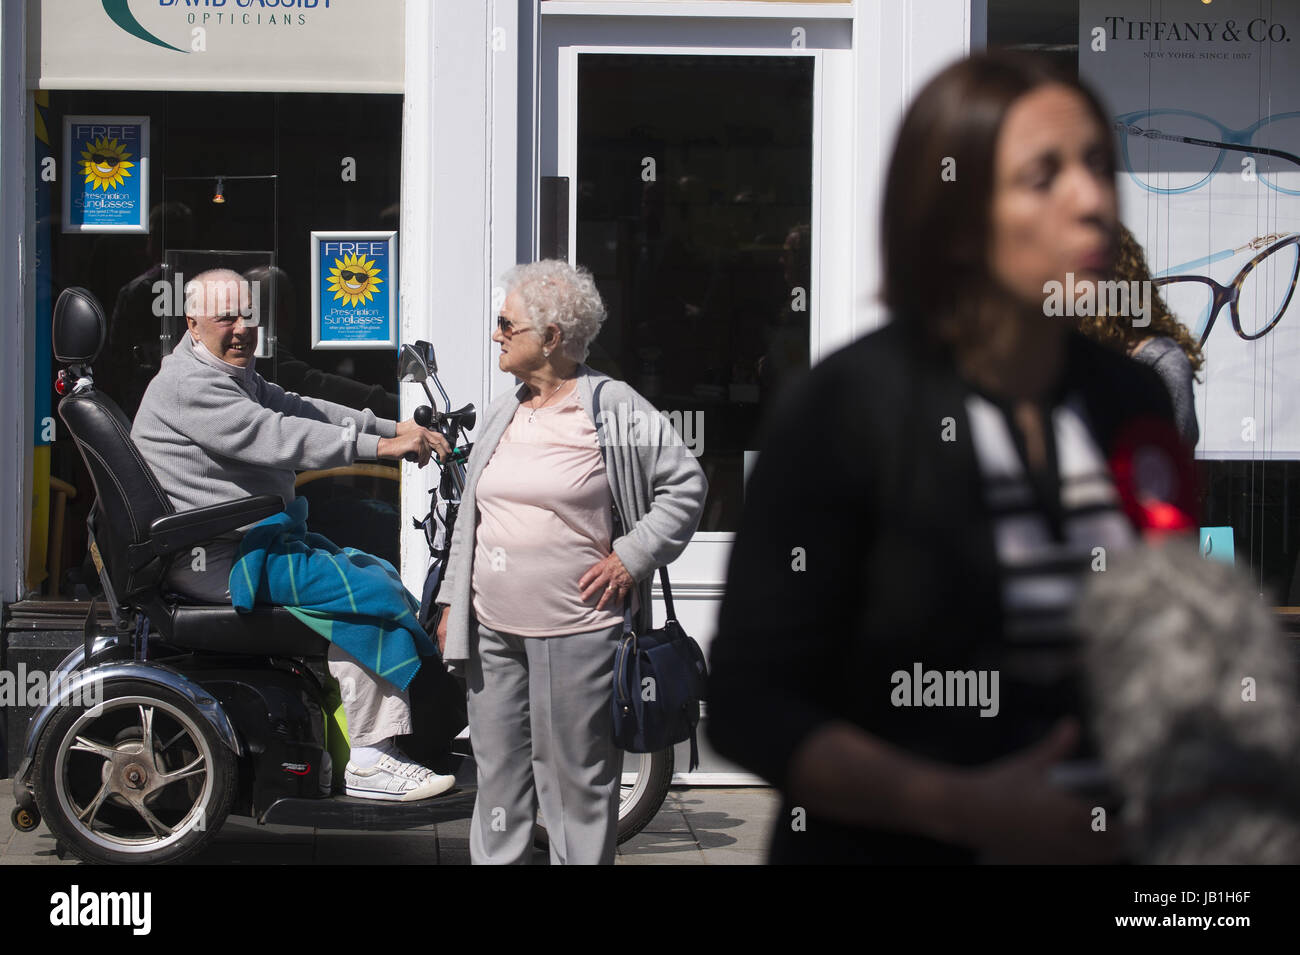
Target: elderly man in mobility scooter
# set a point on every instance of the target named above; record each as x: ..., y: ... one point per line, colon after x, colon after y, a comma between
x: 212, y: 429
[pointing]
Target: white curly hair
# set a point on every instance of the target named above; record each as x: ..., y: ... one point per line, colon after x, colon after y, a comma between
x: 553, y: 292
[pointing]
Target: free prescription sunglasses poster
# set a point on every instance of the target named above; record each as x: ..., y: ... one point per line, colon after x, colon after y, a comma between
x: 1205, y: 106
x: 105, y: 174
x: 354, y: 290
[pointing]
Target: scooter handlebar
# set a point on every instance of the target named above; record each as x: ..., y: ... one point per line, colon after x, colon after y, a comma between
x: 424, y: 416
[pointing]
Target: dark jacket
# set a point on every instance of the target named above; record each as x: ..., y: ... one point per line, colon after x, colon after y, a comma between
x: 900, y: 568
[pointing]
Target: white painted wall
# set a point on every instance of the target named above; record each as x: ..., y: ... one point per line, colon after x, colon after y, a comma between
x: 466, y: 213
x: 898, y: 46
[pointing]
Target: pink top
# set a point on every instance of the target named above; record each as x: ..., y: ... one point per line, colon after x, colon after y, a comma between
x: 545, y: 518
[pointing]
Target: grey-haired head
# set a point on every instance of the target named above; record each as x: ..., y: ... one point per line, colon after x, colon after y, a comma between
x: 553, y: 292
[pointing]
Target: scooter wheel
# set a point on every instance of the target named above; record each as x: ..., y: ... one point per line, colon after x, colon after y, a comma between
x: 140, y: 778
x: 25, y: 820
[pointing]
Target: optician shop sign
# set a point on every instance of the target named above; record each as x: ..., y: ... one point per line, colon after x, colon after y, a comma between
x: 217, y: 45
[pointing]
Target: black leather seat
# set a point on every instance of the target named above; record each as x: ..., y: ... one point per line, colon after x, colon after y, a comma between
x: 221, y: 628
x: 135, y: 533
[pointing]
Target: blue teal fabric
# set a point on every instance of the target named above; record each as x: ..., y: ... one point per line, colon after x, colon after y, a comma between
x: 349, y: 597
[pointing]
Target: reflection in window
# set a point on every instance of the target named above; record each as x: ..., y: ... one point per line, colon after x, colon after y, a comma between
x: 694, y: 204
x: 1259, y: 500
x: 237, y: 180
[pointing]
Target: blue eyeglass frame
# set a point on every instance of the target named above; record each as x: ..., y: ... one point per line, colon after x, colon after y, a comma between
x: 1236, y: 140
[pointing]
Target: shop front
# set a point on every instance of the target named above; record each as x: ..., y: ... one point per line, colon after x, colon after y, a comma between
x: 161, y: 141
x: 716, y: 165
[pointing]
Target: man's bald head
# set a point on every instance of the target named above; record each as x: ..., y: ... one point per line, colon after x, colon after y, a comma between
x: 221, y: 310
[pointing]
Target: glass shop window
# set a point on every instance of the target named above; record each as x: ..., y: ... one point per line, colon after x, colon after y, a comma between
x: 705, y: 264
x: 240, y: 181
x: 1207, y: 125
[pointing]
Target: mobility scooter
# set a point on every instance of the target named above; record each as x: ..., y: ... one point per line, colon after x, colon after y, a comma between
x: 199, y: 711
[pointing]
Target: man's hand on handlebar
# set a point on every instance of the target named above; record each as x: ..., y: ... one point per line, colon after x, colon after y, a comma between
x: 407, y: 427
x: 413, y: 440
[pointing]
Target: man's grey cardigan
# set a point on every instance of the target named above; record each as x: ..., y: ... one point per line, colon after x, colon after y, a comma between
x: 213, y: 432
x: 657, y: 485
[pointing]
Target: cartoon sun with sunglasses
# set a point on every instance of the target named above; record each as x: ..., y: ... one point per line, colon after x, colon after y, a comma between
x: 354, y: 279
x: 104, y: 163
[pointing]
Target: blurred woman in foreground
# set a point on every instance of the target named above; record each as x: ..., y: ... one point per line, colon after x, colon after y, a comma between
x: 894, y: 649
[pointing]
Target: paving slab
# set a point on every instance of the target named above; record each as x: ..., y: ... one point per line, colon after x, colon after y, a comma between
x: 696, y: 826
x: 668, y: 819
x: 730, y: 819
x: 33, y: 848
x: 660, y: 848
x: 253, y: 853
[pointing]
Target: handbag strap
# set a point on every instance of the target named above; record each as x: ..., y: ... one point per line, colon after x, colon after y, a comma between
x: 663, y: 571
x: 668, y: 593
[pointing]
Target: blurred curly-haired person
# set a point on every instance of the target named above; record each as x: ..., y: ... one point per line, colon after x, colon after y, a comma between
x: 1164, y: 345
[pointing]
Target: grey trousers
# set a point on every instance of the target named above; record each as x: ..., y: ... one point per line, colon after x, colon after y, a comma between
x: 540, y: 723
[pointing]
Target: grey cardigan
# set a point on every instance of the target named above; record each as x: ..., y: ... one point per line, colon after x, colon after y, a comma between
x: 1167, y: 358
x: 657, y: 485
x: 212, y: 432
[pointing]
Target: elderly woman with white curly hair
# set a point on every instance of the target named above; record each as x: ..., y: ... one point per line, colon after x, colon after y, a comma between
x: 559, y: 533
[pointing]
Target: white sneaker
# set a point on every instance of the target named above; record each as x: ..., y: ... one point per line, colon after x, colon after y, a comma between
x: 395, y: 780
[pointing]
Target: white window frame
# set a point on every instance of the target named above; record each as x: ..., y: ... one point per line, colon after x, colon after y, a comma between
x: 699, y: 574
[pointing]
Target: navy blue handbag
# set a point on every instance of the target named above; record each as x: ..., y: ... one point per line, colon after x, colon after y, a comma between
x: 659, y: 679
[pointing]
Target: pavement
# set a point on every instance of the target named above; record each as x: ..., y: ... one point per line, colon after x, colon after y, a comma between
x: 696, y: 826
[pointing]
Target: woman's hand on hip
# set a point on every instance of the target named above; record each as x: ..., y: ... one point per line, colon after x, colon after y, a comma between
x: 609, y: 578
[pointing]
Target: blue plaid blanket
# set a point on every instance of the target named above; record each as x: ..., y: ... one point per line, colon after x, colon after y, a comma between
x: 349, y: 597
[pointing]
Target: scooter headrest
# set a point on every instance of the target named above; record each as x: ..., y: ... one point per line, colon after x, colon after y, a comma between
x: 79, y: 327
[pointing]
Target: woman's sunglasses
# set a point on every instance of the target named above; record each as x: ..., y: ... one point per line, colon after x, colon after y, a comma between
x: 507, y: 328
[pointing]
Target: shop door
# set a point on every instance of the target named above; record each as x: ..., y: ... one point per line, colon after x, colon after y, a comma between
x: 692, y: 166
